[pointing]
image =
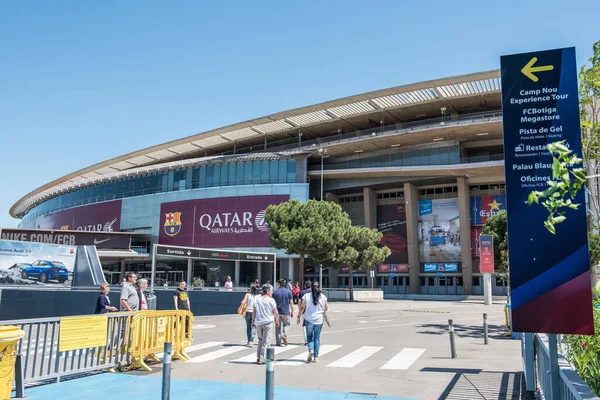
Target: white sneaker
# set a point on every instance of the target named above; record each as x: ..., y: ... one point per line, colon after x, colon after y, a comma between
x: 316, y: 360
x: 310, y: 357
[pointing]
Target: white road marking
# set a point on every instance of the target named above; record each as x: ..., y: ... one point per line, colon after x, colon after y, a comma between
x: 202, y: 346
x: 356, y: 357
x: 213, y: 355
x: 404, y: 359
x: 301, y: 358
x: 251, y: 358
x: 204, y: 326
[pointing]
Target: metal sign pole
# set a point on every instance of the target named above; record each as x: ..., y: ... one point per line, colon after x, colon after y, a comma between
x: 274, y: 271
x: 153, y: 272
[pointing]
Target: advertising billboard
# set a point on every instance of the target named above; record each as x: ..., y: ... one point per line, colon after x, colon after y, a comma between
x: 476, y: 231
x: 391, y: 221
x: 23, y: 263
x: 102, y: 240
x: 484, y: 207
x: 486, y: 264
x: 549, y: 271
x: 224, y: 222
x: 101, y: 217
x: 439, y: 231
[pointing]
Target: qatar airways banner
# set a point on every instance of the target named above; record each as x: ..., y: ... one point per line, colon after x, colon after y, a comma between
x: 391, y: 221
x: 225, y: 222
x: 100, y: 217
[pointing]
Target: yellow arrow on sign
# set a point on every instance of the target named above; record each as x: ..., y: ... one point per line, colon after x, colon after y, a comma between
x: 529, y: 69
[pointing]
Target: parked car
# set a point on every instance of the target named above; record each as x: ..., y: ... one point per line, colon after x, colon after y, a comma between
x: 45, y: 271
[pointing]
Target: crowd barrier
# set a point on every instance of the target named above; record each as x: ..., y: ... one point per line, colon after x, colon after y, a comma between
x: 150, y: 331
x: 54, y: 348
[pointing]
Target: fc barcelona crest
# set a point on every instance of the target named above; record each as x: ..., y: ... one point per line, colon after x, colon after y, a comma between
x: 172, y: 223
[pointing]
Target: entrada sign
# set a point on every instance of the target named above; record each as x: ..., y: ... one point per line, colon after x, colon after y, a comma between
x: 209, y: 254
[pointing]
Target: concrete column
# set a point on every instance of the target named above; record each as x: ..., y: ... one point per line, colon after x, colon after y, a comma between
x: 259, y: 272
x: 333, y: 278
x: 122, y: 274
x: 487, y: 289
x: 190, y: 272
x: 411, y: 204
x: 370, y: 204
x: 465, y: 234
x: 236, y: 275
x: 290, y: 273
x: 332, y: 197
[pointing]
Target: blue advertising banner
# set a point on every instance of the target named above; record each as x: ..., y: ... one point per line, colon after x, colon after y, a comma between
x: 549, y: 273
x: 486, y: 206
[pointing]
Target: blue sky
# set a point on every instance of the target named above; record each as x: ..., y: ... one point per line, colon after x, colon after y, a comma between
x: 83, y: 81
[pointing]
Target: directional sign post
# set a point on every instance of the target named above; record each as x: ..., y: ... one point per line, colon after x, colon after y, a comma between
x: 549, y: 273
x: 486, y: 265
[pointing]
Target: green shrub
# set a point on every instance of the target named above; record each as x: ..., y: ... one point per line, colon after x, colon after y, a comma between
x: 583, y: 352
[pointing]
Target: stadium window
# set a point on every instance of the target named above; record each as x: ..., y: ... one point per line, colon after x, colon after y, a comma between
x: 291, y: 171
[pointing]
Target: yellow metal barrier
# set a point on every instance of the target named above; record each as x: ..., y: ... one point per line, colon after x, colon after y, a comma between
x: 151, y: 329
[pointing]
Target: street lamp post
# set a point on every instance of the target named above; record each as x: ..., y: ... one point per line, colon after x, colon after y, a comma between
x: 322, y: 152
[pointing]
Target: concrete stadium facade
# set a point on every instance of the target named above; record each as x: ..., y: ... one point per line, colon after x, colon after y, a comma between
x: 421, y: 162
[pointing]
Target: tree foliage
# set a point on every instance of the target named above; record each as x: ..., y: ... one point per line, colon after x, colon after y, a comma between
x: 359, y: 250
x: 497, y: 227
x: 561, y: 192
x: 594, y: 243
x: 314, y: 228
x: 589, y: 99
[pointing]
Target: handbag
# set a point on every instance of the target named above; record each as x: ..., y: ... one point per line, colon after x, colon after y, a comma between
x: 325, y: 318
x: 243, y: 307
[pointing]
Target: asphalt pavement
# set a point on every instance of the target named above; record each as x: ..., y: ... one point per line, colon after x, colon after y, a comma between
x: 395, y: 349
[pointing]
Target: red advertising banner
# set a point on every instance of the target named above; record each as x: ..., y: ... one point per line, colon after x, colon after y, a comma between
x: 475, y: 233
x: 391, y: 221
x: 384, y: 268
x: 225, y: 222
x: 486, y: 260
x: 100, y: 217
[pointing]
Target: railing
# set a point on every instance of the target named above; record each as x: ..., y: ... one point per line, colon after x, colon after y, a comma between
x: 380, y: 162
x: 294, y: 143
x: 43, y: 360
x: 536, y: 356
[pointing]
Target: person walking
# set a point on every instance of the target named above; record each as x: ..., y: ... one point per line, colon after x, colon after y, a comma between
x: 182, y: 302
x: 228, y: 284
x: 285, y: 308
x: 265, y: 313
x: 296, y: 292
x: 142, y: 285
x: 130, y: 301
x: 315, y: 305
x: 248, y: 301
x: 302, y: 293
x: 103, y: 302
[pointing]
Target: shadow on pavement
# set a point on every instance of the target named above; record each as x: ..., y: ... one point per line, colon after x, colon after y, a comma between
x: 486, y: 385
x: 469, y: 331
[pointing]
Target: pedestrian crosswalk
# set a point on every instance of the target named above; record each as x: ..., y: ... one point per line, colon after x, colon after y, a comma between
x: 331, y: 355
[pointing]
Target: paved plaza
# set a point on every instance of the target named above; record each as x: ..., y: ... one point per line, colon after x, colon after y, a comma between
x: 387, y: 350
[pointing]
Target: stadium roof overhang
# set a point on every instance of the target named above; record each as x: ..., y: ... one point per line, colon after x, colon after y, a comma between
x: 455, y: 95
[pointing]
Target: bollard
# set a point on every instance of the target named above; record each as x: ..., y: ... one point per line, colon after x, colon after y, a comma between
x: 485, y: 329
x: 19, y: 378
x: 166, y: 382
x: 452, y: 343
x: 270, y: 384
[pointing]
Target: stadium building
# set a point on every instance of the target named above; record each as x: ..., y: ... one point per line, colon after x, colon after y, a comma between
x: 421, y: 162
